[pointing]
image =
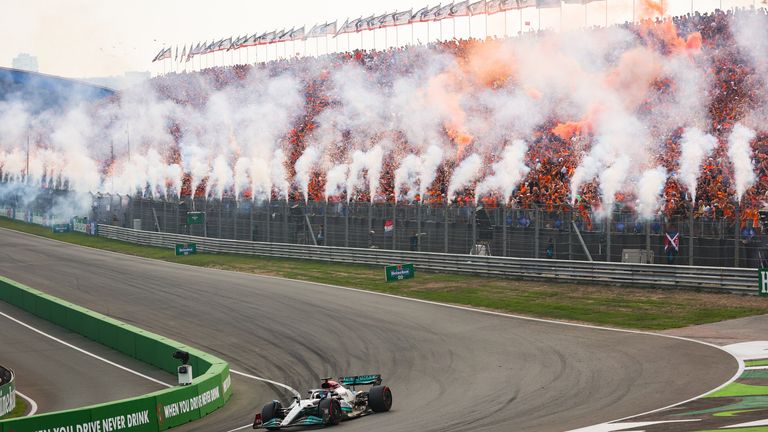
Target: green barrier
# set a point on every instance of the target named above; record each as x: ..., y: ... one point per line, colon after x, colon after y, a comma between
x: 158, y: 411
x: 7, y: 393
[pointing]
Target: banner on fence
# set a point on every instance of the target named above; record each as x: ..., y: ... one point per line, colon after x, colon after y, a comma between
x: 762, y: 282
x: 60, y: 228
x: 399, y: 272
x: 81, y: 225
x: 195, y: 218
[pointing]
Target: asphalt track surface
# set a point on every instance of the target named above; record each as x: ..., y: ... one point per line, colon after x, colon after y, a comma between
x: 449, y: 369
x: 58, y: 377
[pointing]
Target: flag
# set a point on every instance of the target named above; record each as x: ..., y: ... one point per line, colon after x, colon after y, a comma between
x: 184, y: 53
x: 442, y: 12
x: 389, y: 226
x: 330, y: 28
x: 362, y: 24
x: 296, y: 34
x: 157, y: 57
x: 165, y: 54
x: 547, y: 4
x: 267, y: 38
x: 522, y: 4
x: 176, y: 57
x: 387, y: 20
x: 373, y: 23
x: 349, y: 26
x: 402, y: 18
x: 527, y: 23
x: 225, y: 44
x: 417, y: 16
x: 477, y: 8
x: 314, y: 31
x: 492, y: 6
x: 427, y: 14
x: 506, y: 5
x: 459, y: 9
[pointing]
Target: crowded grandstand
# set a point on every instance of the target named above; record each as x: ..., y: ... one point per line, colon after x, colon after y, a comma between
x: 662, y: 116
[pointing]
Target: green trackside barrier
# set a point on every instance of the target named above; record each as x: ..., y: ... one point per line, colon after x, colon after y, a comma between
x: 153, y: 412
x: 7, y: 394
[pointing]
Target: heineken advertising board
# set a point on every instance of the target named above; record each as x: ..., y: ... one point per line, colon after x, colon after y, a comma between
x: 186, y: 248
x: 7, y: 397
x: 762, y: 282
x: 195, y: 218
x: 60, y: 228
x: 399, y: 272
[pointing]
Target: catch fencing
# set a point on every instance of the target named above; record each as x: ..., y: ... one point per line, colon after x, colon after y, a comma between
x: 739, y: 280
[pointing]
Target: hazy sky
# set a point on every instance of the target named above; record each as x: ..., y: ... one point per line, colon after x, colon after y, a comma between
x: 89, y: 38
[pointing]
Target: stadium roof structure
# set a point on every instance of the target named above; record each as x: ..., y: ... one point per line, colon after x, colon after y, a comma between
x: 41, y: 91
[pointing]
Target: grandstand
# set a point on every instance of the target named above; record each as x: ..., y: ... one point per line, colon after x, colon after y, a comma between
x: 704, y: 87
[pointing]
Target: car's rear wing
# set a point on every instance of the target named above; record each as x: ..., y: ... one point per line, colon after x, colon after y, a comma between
x: 360, y: 380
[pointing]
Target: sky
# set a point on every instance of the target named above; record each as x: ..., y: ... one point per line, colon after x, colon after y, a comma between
x: 94, y: 38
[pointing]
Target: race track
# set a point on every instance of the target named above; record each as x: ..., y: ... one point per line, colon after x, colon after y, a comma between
x: 450, y: 369
x: 58, y: 377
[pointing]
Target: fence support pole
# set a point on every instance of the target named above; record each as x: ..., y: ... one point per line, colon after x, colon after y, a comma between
x: 394, y: 225
x: 736, y: 238
x: 346, y: 225
x: 608, y: 239
x: 504, y: 231
x: 690, y: 238
x: 536, y: 232
x: 250, y: 222
x: 165, y: 217
x: 325, y: 225
x: 234, y: 220
x: 648, y: 240
x: 269, y: 219
x: 221, y: 205
x: 286, y: 210
x: 418, y: 227
x: 474, y: 226
x: 369, y: 236
x: 178, y: 224
x: 205, y: 210
x: 445, y: 229
x: 570, y: 235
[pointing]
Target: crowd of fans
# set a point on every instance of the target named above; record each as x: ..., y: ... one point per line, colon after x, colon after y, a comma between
x: 555, y: 148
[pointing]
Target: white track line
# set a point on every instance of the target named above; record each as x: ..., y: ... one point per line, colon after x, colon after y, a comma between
x: 32, y: 403
x: 85, y: 352
x: 733, y: 378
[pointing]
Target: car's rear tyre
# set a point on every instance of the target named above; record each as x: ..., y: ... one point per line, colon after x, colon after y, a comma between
x: 270, y: 411
x: 380, y: 398
x: 330, y: 411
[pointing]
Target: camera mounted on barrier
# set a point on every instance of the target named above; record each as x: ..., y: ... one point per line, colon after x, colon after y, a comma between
x: 185, y: 370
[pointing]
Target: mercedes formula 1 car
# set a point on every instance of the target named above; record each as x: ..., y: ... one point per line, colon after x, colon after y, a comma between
x: 328, y: 405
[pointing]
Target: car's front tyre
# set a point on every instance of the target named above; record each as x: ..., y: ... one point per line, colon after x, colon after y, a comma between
x: 272, y: 410
x: 330, y: 411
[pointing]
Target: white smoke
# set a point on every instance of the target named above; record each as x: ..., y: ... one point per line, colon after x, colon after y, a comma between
x: 694, y: 147
x: 507, y: 173
x: 649, y: 190
x: 740, y: 154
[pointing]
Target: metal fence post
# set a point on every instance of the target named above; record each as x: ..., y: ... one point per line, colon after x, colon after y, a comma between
x: 690, y: 238
x: 536, y: 232
x: 394, y: 225
x: 221, y: 207
x: 325, y: 225
x: 286, y: 210
x: 369, y: 236
x: 346, y: 225
x: 445, y: 228
x: 234, y: 220
x: 269, y: 219
x: 205, y: 210
x: 504, y: 231
x: 570, y: 235
x: 608, y: 224
x: 418, y: 226
x: 250, y: 221
x: 736, y: 238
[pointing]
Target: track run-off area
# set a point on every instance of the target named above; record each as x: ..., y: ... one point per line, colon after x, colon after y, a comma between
x: 451, y: 369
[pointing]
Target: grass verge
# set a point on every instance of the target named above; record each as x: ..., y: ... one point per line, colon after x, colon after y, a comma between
x: 20, y: 410
x: 647, y: 309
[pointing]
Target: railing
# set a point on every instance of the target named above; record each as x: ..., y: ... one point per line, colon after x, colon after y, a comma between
x: 7, y: 391
x: 647, y: 275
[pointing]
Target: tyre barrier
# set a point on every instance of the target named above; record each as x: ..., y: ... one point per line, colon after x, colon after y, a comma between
x: 153, y: 412
x: 7, y: 391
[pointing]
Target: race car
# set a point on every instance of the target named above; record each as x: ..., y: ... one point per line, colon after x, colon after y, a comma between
x: 328, y: 405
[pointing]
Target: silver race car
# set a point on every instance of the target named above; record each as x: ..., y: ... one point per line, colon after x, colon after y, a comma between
x: 333, y: 402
